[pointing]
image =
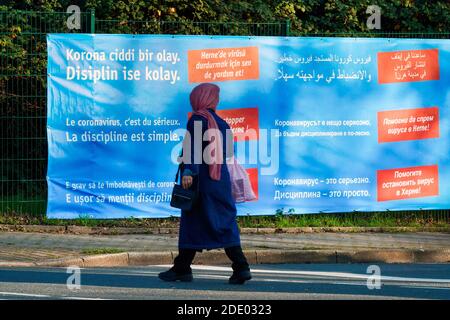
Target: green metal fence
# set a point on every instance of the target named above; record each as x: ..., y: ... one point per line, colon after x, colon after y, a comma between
x: 23, y: 58
x: 23, y: 145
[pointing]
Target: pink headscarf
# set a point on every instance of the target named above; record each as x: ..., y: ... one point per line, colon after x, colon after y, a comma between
x: 206, y: 96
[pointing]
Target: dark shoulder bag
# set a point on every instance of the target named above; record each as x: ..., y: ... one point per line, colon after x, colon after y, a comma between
x: 184, y: 199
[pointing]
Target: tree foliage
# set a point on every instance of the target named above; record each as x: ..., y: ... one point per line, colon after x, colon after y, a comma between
x: 306, y: 16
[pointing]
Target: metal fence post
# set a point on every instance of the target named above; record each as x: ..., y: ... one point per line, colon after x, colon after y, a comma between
x: 288, y: 27
x: 92, y: 20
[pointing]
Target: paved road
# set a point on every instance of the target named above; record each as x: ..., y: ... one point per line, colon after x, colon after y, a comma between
x: 16, y: 246
x: 325, y: 281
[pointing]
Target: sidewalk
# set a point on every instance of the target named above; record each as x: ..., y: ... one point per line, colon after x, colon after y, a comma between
x: 25, y: 249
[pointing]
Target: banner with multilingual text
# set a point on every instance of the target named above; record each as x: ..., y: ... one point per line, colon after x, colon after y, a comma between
x: 320, y: 124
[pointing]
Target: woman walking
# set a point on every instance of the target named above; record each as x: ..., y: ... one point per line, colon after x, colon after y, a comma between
x: 211, y: 223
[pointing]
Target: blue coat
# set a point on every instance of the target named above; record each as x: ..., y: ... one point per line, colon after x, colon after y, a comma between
x: 212, y: 222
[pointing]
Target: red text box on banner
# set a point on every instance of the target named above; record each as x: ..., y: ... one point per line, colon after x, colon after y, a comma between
x: 406, y: 183
x: 223, y: 64
x: 243, y: 122
x: 408, y: 124
x: 253, y: 175
x: 408, y: 66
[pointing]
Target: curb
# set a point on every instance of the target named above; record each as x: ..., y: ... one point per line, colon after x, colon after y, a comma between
x: 218, y: 257
x: 80, y: 230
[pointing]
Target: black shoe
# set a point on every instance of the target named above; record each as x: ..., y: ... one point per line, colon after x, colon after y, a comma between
x: 240, y: 277
x: 171, y: 275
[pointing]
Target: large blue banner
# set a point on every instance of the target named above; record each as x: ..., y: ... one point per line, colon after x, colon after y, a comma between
x: 320, y: 124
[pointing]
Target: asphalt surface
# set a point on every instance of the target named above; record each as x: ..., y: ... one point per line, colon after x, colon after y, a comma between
x: 283, y: 281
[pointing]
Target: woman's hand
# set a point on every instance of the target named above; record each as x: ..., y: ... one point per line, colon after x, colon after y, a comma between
x: 186, y: 182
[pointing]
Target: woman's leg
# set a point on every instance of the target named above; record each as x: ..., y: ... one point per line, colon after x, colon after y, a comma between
x: 181, y: 269
x: 239, y: 262
x: 182, y: 263
x: 241, y: 269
